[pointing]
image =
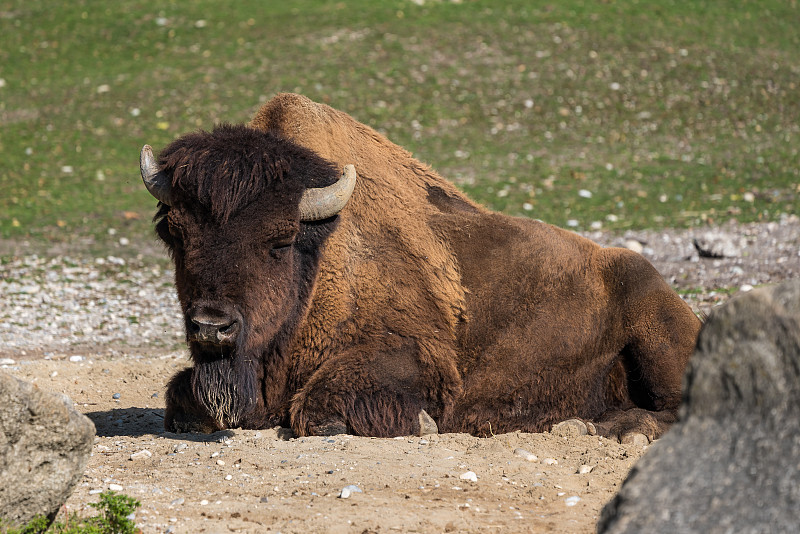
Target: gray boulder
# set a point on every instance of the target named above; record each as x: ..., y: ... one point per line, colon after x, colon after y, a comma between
x: 44, y: 447
x: 732, y: 462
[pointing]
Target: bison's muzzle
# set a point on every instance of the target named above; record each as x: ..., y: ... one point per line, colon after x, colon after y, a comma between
x: 213, y: 326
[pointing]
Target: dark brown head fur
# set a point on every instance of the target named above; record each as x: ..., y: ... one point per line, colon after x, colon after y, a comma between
x: 245, y: 264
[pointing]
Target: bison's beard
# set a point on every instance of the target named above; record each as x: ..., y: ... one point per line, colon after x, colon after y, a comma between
x: 227, y: 387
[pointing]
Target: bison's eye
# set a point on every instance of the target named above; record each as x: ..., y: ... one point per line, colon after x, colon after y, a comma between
x: 280, y: 247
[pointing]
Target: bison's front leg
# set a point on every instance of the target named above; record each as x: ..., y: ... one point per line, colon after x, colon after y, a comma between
x: 367, y: 393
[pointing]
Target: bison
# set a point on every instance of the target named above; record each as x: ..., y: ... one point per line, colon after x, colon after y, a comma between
x: 332, y: 283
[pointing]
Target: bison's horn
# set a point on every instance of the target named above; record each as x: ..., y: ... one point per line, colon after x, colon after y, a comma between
x: 156, y: 182
x: 322, y: 202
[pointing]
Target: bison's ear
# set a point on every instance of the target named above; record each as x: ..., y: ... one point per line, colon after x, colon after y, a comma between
x: 322, y: 202
x: 156, y: 182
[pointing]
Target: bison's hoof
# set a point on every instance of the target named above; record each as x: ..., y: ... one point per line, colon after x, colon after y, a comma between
x: 426, y: 424
x: 331, y: 427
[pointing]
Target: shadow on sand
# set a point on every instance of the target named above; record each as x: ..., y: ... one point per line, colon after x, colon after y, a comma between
x: 136, y: 422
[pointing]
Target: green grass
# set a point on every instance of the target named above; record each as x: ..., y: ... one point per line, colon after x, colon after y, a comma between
x: 668, y: 113
x: 113, y: 508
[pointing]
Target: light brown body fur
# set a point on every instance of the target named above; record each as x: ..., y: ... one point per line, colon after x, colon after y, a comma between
x: 425, y: 300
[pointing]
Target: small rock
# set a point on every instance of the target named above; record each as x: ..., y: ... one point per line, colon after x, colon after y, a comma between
x: 635, y: 438
x: 228, y: 477
x: 264, y: 499
x: 715, y: 245
x: 115, y: 487
x: 570, y: 428
x: 141, y: 455
x: 220, y: 462
x: 426, y: 424
x: 7, y: 361
x: 116, y: 396
x: 349, y: 490
x: 550, y: 461
x: 590, y: 428
x: 179, y: 447
x: 585, y: 469
x: 469, y: 476
x: 177, y: 502
x: 635, y: 246
x: 525, y: 455
x: 572, y: 501
x: 76, y: 358
x: 203, y: 502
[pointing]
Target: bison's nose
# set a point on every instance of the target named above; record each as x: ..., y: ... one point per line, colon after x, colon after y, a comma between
x: 214, y: 328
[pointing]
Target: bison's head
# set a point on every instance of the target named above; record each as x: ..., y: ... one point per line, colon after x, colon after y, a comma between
x: 244, y: 214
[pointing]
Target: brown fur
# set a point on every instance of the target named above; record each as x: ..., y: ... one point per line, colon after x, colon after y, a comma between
x: 418, y: 298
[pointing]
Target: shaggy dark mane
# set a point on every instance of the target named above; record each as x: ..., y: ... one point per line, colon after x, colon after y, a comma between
x: 229, y: 167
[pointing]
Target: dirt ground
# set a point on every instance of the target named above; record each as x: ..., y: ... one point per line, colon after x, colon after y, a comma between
x: 267, y: 481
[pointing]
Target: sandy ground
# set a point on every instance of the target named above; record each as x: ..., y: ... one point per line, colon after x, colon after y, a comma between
x: 267, y: 481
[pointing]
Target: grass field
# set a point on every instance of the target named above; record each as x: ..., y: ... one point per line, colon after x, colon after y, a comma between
x: 612, y: 114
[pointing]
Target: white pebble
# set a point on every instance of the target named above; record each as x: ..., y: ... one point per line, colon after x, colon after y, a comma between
x: 95, y: 491
x: 635, y: 246
x: 745, y: 288
x: 584, y: 469
x: 550, y: 461
x: 572, y: 501
x: 529, y: 456
x: 585, y: 193
x: 76, y: 358
x: 228, y: 477
x: 7, y: 361
x: 220, y: 462
x: 141, y: 455
x: 349, y: 490
x: 203, y: 502
x: 469, y: 476
x: 115, y: 487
